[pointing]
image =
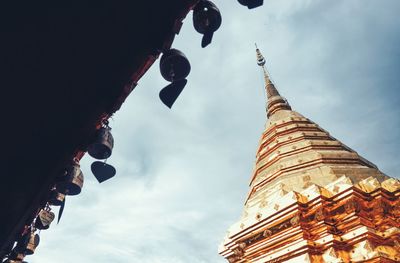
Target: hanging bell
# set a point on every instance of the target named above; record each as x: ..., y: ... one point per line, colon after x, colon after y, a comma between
x: 102, y: 171
x: 44, y: 219
x: 174, y: 65
x: 103, y: 145
x: 56, y: 198
x: 16, y: 260
x: 21, y: 245
x: 251, y: 3
x: 72, y: 181
x: 15, y: 257
x: 33, y: 242
x: 206, y: 20
x: 170, y: 93
x: 28, y: 243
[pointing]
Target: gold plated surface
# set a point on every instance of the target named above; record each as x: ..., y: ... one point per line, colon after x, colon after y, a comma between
x: 312, y: 198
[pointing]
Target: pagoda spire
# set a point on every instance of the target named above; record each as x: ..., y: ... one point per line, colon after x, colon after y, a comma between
x: 275, y: 101
x: 311, y: 198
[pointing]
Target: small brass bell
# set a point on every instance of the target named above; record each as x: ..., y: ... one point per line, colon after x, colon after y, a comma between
x: 33, y: 242
x: 21, y: 245
x: 251, y: 3
x: 72, y: 181
x: 56, y: 198
x: 44, y: 219
x: 174, y: 65
x: 14, y: 261
x: 206, y: 20
x: 27, y: 244
x: 15, y: 257
x: 103, y: 145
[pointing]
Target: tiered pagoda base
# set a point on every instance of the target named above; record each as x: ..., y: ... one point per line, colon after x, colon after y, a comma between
x: 341, y: 222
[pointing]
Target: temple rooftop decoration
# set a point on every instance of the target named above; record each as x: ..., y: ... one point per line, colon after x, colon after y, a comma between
x: 312, y: 198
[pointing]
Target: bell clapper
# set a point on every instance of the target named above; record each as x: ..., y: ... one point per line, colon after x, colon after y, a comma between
x: 172, y: 73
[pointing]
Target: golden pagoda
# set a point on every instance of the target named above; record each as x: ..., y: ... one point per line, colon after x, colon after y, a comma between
x: 312, y: 198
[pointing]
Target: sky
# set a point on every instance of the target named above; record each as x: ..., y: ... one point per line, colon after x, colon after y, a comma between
x: 183, y: 174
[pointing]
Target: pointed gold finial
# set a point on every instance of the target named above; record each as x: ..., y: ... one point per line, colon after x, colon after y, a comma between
x: 275, y: 101
x: 260, y: 58
x: 261, y: 63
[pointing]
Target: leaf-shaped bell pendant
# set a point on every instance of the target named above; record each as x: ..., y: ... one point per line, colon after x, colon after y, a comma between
x: 72, y: 181
x: 102, y: 171
x: 251, y: 3
x: 56, y: 198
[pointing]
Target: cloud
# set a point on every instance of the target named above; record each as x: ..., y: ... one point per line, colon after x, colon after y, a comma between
x: 182, y: 174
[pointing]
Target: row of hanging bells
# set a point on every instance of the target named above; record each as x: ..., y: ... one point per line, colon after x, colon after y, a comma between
x: 174, y: 65
x: 26, y: 245
x: 70, y: 182
x: 207, y: 17
x: 28, y: 242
